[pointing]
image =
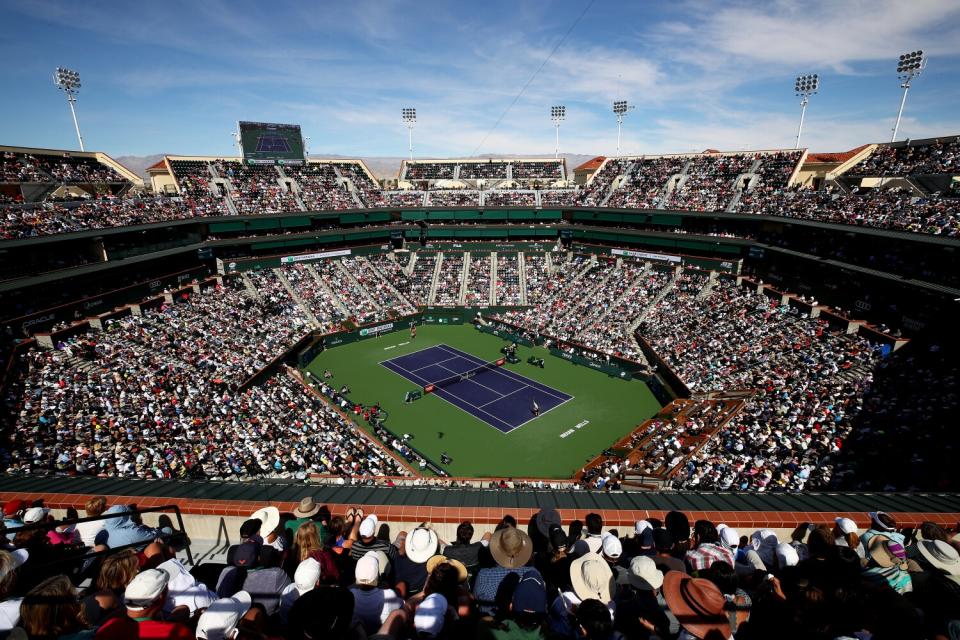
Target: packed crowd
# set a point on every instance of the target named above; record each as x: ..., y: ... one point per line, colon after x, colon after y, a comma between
x: 405, y: 198
x: 710, y: 182
x: 508, y: 279
x: 17, y: 167
x: 429, y: 171
x: 808, y: 382
x: 483, y: 170
x: 940, y: 156
x: 449, y: 280
x: 256, y: 188
x: 644, y: 185
x: 892, y: 208
x: 320, y: 190
x: 437, y: 198
x: 378, y: 287
x: 158, y: 395
x: 532, y: 170
x: 478, y: 281
x: 309, y: 283
x: 421, y: 278
x: 509, y: 198
x: 311, y: 574
x: 30, y: 220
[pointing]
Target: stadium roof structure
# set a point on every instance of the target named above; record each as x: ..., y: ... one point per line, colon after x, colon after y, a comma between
x: 836, y: 157
x: 591, y: 165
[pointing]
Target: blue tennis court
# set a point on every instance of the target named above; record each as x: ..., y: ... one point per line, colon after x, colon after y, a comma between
x: 501, y: 398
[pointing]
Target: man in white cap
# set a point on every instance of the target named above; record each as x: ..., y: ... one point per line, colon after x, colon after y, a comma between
x: 222, y: 618
x: 363, y: 537
x: 34, y: 515
x: 430, y: 616
x: 611, y: 550
x: 144, y: 598
x: 372, y: 604
x: 305, y: 579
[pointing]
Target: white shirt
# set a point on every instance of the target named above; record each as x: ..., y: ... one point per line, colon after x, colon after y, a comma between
x: 372, y: 606
x: 9, y: 614
x: 88, y: 531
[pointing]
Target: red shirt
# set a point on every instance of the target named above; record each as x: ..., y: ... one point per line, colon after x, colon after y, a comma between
x: 160, y: 630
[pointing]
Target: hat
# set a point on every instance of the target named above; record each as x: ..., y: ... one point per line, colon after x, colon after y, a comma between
x: 307, y: 575
x: 662, y: 540
x: 697, y: 604
x: 876, y: 523
x: 641, y: 526
x: 545, y: 519
x: 611, y: 546
x: 384, y: 562
x: 530, y: 595
x: 307, y: 508
x: 250, y: 527
x: 787, y: 556
x: 591, y: 577
x: 941, y: 555
x: 440, y: 559
x: 368, y: 526
x: 269, y: 517
x: 885, y: 552
x: 511, y: 548
x: 421, y: 544
x: 17, y: 558
x: 367, y: 571
x: 430, y: 615
x: 245, y: 554
x: 183, y: 588
x: 14, y: 507
x: 846, y: 525
x: 222, y: 616
x: 145, y: 588
x: 34, y: 515
x: 324, y: 612
x: 558, y: 539
x: 643, y: 574
x: 729, y: 537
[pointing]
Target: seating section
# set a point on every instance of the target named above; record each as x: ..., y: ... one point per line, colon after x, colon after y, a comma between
x: 430, y: 170
x: 509, y: 198
x: 405, y: 198
x: 645, y: 183
x: 17, y: 167
x: 79, y: 169
x: 529, y: 170
x: 320, y: 190
x: 710, y: 182
x: 449, y: 279
x: 478, y: 281
x: 508, y: 279
x: 930, y: 157
x: 453, y: 198
x: 201, y: 196
x: 483, y: 170
x: 256, y: 188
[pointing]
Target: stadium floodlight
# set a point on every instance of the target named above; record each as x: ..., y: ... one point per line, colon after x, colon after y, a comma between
x: 68, y: 81
x: 620, y: 108
x: 409, y: 115
x: 805, y: 87
x: 557, y: 114
x: 237, y: 140
x: 909, y: 66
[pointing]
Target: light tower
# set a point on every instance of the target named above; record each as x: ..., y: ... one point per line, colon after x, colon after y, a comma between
x: 557, y: 114
x: 805, y: 87
x: 409, y: 115
x: 69, y: 82
x: 620, y: 108
x: 909, y: 66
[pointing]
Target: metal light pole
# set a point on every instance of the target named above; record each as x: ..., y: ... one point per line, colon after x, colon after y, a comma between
x: 909, y: 66
x: 557, y: 114
x: 620, y: 108
x: 237, y: 141
x: 306, y: 147
x: 409, y: 116
x: 69, y: 82
x: 805, y: 87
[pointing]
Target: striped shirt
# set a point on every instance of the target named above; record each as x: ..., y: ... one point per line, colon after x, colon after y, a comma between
x: 706, y: 554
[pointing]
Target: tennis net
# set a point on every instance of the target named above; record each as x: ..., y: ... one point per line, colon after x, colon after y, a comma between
x: 466, y: 375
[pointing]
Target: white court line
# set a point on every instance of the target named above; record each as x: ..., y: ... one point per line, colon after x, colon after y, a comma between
x: 506, y: 395
x: 393, y: 346
x: 470, y: 379
x: 403, y: 343
x: 509, y: 375
x: 439, y: 363
x: 410, y: 354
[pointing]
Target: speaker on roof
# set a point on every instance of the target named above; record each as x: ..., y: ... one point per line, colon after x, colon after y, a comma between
x: 566, y: 237
x: 396, y: 238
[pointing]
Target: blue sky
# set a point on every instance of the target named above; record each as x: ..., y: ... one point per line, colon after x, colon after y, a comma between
x: 174, y: 77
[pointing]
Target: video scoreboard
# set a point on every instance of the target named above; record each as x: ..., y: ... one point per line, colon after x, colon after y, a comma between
x: 270, y: 143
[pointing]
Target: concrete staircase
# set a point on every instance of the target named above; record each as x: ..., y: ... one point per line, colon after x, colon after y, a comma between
x: 655, y: 301
x: 588, y: 294
x: 382, y: 277
x: 522, y: 270
x: 492, y: 298
x: 352, y: 278
x: 674, y: 182
x: 304, y: 307
x: 464, y: 279
x: 250, y: 288
x: 432, y: 298
x: 618, y: 183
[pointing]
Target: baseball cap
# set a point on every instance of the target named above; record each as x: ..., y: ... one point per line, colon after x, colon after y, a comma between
x: 367, y: 571
x: 644, y: 574
x: 306, y: 575
x: 662, y: 540
x: 787, y: 556
x: 430, y: 615
x: 368, y: 527
x: 145, y: 588
x: 14, y: 507
x: 530, y: 595
x: 846, y: 525
x: 34, y: 515
x: 612, y: 547
x: 220, y: 620
x: 729, y: 537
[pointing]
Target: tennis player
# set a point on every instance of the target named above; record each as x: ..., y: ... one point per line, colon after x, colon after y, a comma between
x: 535, y: 408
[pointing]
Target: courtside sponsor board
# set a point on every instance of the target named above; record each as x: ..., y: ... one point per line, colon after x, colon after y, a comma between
x: 647, y: 256
x: 381, y: 328
x: 314, y: 256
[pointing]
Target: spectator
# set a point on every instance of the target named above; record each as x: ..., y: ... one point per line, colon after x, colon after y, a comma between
x: 122, y: 530
x: 222, y: 618
x: 145, y: 597
x: 88, y: 531
x: 373, y: 603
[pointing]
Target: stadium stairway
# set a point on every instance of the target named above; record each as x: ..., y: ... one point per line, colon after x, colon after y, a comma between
x: 388, y: 282
x: 632, y: 329
x: 464, y: 278
x: 492, y: 298
x: 348, y: 275
x: 619, y: 182
x: 250, y: 288
x: 304, y: 307
x: 673, y: 183
x: 522, y: 270
x: 432, y: 298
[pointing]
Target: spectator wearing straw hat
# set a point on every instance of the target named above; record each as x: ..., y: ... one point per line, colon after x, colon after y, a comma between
x: 590, y: 578
x: 512, y: 550
x: 410, y: 565
x: 306, y: 511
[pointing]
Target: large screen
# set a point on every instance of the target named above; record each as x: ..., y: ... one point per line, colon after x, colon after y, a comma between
x: 268, y: 143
